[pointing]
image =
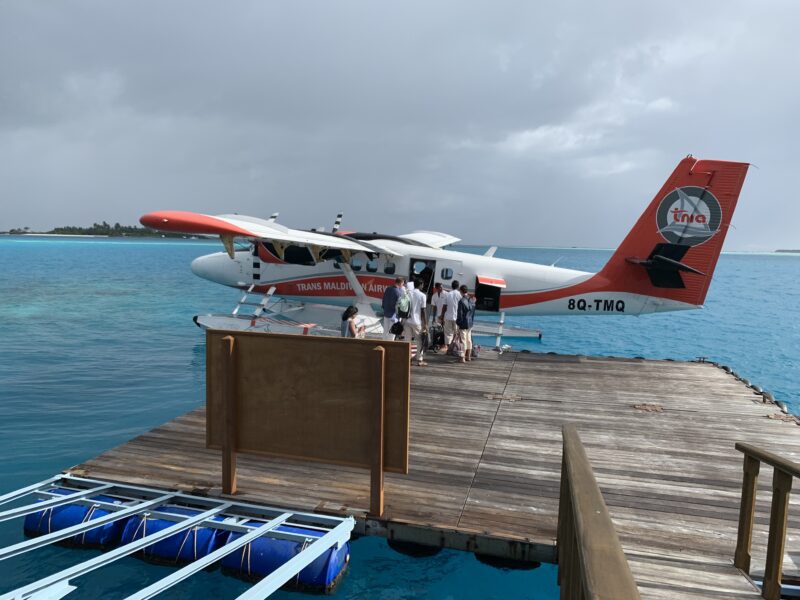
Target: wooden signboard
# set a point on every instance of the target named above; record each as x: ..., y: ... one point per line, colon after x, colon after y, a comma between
x: 310, y: 397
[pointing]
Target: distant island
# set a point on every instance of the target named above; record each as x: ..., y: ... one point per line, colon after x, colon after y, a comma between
x: 99, y: 229
x: 790, y: 251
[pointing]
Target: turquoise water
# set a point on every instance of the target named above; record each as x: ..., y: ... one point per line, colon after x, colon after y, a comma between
x: 97, y: 346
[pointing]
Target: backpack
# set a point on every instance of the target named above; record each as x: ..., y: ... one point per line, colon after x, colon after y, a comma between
x: 404, y: 306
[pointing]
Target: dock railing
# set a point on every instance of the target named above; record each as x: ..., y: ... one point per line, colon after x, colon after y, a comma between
x: 591, y: 563
x: 784, y: 471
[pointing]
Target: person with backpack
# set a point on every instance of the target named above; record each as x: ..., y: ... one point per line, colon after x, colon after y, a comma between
x: 465, y: 320
x: 391, y: 297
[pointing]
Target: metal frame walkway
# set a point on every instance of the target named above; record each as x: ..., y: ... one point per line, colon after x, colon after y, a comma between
x: 251, y: 520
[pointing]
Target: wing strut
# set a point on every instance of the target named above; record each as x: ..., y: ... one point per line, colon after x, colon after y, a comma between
x: 361, y: 295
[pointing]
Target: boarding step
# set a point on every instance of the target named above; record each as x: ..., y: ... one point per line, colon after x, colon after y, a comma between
x: 260, y: 305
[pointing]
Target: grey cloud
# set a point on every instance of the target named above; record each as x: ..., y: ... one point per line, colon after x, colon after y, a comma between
x: 505, y: 122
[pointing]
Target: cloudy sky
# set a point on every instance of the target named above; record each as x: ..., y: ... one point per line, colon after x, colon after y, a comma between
x: 499, y: 122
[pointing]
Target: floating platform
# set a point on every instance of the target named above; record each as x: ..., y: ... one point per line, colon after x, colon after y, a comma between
x: 485, y: 460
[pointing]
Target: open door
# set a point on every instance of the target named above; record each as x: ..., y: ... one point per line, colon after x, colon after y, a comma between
x: 487, y: 293
x: 425, y: 269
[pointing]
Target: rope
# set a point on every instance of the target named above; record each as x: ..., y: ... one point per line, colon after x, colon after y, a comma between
x: 183, y: 543
x: 304, y: 546
x: 245, y: 550
x: 86, y: 518
x: 143, y: 526
x: 41, y: 516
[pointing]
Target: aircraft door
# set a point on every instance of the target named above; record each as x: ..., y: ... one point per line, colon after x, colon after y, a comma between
x: 487, y: 293
x: 424, y: 269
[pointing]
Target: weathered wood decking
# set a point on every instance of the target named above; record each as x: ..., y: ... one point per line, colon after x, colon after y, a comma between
x: 485, y: 462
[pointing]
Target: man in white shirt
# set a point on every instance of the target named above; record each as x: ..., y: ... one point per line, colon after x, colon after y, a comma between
x: 437, y: 302
x: 416, y: 322
x: 450, y: 313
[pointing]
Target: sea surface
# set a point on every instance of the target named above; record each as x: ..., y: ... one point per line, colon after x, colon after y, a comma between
x: 97, y: 346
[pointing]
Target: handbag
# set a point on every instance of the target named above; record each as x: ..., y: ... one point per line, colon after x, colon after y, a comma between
x: 456, y: 348
x: 396, y: 328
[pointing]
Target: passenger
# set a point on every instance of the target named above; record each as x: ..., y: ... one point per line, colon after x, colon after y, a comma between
x: 452, y: 298
x: 390, y: 297
x: 426, y: 275
x: 416, y: 321
x: 437, y: 302
x: 465, y: 320
x: 349, y: 328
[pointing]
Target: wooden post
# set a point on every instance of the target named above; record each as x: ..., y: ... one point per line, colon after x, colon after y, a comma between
x: 229, y: 410
x: 747, y: 509
x: 561, y: 526
x: 376, y: 471
x: 781, y: 487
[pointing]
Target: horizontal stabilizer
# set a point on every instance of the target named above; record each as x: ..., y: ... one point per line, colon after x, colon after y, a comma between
x: 664, y: 265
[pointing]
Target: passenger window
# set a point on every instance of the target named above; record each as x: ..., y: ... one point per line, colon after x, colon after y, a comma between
x: 372, y: 266
x: 337, y: 264
x: 419, y: 266
x: 389, y: 268
x: 447, y: 273
x: 356, y: 264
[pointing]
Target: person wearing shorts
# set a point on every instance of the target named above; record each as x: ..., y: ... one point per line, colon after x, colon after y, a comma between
x: 450, y: 314
x: 465, y: 319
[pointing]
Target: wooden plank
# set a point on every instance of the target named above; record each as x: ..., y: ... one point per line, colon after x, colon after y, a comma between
x: 485, y: 453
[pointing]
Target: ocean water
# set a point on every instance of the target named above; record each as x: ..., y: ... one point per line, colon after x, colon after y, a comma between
x: 97, y: 346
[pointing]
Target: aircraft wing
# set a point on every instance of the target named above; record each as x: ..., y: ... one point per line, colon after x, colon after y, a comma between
x: 434, y: 239
x: 230, y: 226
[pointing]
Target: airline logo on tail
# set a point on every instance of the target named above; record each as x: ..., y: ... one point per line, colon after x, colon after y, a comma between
x: 688, y: 216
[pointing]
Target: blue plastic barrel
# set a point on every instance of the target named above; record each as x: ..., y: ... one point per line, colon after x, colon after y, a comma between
x: 61, y: 517
x: 264, y: 555
x: 185, y: 546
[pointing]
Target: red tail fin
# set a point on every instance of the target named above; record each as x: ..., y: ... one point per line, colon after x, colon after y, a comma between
x: 672, y: 250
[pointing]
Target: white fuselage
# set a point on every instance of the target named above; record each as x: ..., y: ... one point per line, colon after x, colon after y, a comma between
x: 517, y: 288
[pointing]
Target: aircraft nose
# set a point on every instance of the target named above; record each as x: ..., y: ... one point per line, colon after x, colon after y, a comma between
x: 219, y: 268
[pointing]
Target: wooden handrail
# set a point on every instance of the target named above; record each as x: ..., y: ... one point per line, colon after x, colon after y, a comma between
x: 591, y: 563
x: 784, y: 471
x: 778, y: 462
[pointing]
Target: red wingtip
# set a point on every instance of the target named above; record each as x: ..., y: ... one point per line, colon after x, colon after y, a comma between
x: 179, y: 221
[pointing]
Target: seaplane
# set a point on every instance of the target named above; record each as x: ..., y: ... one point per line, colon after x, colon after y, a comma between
x: 305, y: 277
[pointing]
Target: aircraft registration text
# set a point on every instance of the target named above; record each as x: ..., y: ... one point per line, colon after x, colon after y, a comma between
x: 596, y: 305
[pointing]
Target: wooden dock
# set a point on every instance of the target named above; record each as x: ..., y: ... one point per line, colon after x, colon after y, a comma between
x: 485, y: 459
